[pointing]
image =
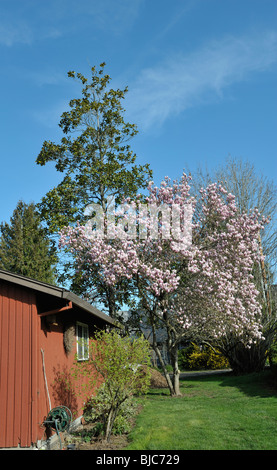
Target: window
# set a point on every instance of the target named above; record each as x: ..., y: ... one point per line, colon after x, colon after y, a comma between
x: 82, y: 341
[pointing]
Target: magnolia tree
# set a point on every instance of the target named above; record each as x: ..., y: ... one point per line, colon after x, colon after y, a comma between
x: 191, y: 277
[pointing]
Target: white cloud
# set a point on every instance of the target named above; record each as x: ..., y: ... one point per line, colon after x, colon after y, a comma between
x: 15, y: 32
x: 34, y: 20
x: 185, y: 80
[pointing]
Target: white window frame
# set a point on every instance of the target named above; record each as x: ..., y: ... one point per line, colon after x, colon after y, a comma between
x: 82, y: 342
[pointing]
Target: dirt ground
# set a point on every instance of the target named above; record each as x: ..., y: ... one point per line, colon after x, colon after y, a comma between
x: 116, y: 443
x: 78, y: 441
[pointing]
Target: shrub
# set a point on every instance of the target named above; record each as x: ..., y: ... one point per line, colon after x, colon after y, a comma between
x: 216, y: 360
x: 184, y: 355
x: 96, y: 410
x: 117, y: 362
x: 195, y: 358
x: 272, y: 356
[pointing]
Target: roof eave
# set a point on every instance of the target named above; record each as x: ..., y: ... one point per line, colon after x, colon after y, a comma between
x: 56, y: 292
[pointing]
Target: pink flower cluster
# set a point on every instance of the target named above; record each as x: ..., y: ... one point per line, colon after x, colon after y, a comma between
x: 208, y: 284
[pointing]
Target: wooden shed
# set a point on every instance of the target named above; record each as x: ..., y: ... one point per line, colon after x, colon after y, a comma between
x: 40, y: 328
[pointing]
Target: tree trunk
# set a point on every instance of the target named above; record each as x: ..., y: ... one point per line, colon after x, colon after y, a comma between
x: 111, y: 301
x: 173, y: 384
x: 166, y: 374
x: 176, y: 372
x: 158, y: 352
x: 172, y: 345
x: 109, y: 423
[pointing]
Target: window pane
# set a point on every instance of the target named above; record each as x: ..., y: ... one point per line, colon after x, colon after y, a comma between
x: 79, y: 341
x: 85, y: 339
x: 82, y: 341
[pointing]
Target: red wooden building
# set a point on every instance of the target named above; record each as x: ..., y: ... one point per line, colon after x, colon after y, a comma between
x: 40, y: 329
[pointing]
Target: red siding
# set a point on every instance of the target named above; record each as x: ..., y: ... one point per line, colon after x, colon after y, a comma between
x: 23, y: 394
x: 18, y: 371
x: 63, y: 389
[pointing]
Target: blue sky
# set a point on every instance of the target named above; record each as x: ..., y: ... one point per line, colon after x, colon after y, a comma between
x: 201, y: 76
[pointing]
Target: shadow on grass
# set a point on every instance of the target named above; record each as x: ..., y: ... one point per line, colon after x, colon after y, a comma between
x: 161, y: 392
x: 259, y: 384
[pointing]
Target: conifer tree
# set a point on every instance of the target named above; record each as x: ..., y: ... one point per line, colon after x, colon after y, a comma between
x: 24, y: 246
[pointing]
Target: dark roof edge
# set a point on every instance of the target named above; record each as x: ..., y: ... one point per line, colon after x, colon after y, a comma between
x: 54, y: 291
x: 31, y: 283
x: 83, y: 304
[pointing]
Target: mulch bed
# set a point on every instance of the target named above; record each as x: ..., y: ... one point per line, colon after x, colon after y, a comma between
x: 116, y: 443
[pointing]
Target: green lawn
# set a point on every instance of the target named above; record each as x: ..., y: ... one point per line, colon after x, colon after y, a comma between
x: 220, y: 412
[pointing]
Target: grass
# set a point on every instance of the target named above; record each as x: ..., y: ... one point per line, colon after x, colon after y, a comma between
x: 221, y: 412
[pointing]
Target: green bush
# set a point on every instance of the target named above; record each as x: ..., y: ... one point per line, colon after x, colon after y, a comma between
x: 195, y: 358
x: 272, y: 356
x: 118, y: 362
x: 96, y: 412
x: 184, y: 356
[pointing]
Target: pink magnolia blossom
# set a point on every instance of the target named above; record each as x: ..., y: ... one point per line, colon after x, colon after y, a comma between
x: 208, y: 284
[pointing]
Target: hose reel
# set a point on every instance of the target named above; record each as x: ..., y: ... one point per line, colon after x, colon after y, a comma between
x: 59, y: 419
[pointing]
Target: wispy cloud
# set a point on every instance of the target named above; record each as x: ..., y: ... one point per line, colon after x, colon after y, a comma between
x: 114, y: 16
x: 26, y: 24
x: 34, y: 21
x: 15, y: 32
x: 185, y: 80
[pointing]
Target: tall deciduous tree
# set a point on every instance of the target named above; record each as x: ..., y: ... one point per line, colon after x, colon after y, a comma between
x: 24, y: 246
x: 96, y: 162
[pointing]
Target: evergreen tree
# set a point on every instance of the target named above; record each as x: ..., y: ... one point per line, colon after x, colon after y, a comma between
x: 94, y: 155
x: 24, y: 246
x: 97, y: 163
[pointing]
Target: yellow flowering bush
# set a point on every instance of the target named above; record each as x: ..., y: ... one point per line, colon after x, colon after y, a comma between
x: 197, y: 358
